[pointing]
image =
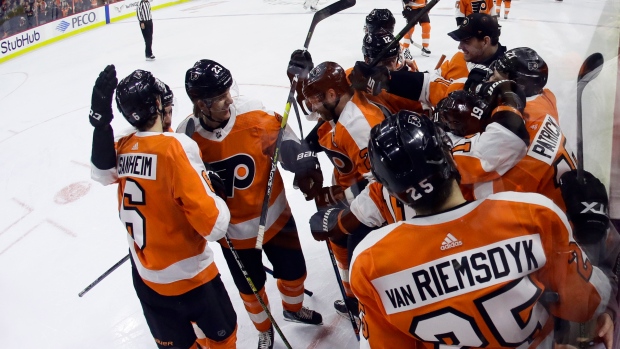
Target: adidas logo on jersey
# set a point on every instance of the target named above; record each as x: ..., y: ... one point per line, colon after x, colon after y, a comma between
x: 450, y: 241
x: 135, y: 146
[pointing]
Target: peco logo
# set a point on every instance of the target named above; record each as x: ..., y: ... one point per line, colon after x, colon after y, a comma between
x: 86, y: 18
x: 19, y: 41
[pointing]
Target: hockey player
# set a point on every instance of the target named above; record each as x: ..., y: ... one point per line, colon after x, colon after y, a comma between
x: 465, y: 289
x: 478, y: 38
x: 165, y: 190
x: 466, y: 7
x: 504, y: 129
x: 237, y: 137
x: 342, y: 133
x: 498, y: 8
x: 167, y: 100
x: 411, y: 9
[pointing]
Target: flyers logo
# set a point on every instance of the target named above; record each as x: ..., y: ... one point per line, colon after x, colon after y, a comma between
x: 341, y: 162
x: 237, y: 172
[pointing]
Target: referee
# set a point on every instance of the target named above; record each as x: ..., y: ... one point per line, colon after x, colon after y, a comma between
x: 146, y: 25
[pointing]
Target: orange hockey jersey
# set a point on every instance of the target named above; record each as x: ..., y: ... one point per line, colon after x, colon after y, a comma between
x: 451, y: 76
x: 547, y: 158
x: 391, y: 102
x: 345, y: 142
x: 474, y: 277
x: 170, y: 211
x: 240, y: 153
x: 374, y: 207
x: 465, y: 8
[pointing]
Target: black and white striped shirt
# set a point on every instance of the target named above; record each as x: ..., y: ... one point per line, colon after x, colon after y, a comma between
x: 144, y: 11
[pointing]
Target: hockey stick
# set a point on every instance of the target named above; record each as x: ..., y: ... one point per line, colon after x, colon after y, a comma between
x: 255, y: 291
x: 440, y: 61
x: 342, y: 291
x: 318, y: 16
x: 104, y: 275
x: 589, y: 70
x: 270, y: 272
x: 404, y: 31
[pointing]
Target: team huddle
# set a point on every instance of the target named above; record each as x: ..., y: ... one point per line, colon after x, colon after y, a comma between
x: 456, y: 214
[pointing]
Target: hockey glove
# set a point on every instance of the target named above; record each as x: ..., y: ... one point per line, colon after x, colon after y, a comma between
x: 324, y: 224
x: 478, y: 74
x: 217, y: 184
x: 502, y: 93
x: 101, y: 101
x: 300, y: 64
x: 586, y: 206
x: 369, y: 79
x: 330, y: 197
x: 308, y: 174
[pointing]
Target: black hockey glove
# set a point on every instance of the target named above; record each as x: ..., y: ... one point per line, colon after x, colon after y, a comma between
x: 478, y: 74
x: 330, y: 197
x: 217, y: 184
x: 300, y: 64
x: 324, y: 224
x: 586, y: 206
x: 308, y: 174
x: 370, y: 80
x: 101, y: 102
x: 501, y: 93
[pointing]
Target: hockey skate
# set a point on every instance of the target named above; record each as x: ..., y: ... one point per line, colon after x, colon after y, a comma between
x: 265, y: 339
x: 304, y: 316
x: 150, y: 58
x: 343, y: 310
x: 505, y: 16
x: 426, y: 52
x: 407, y: 54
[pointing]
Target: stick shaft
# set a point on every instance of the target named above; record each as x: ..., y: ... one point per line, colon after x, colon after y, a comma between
x: 103, y: 276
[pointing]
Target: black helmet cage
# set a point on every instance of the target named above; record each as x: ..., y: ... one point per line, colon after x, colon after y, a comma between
x: 207, y: 80
x: 374, y: 43
x: 411, y: 157
x: 136, y: 97
x: 380, y: 19
x: 524, y: 66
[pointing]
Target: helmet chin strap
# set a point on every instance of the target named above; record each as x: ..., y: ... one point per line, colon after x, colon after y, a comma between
x: 219, y: 123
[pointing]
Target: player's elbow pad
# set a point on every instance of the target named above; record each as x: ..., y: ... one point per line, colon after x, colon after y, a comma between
x: 103, y: 154
x: 514, y: 123
x: 406, y: 84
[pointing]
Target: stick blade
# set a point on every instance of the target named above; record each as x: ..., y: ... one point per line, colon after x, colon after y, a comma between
x: 326, y: 12
x: 590, y: 68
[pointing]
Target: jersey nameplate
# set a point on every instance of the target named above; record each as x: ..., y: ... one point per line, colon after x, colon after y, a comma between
x: 547, y: 141
x: 137, y: 165
x: 460, y: 273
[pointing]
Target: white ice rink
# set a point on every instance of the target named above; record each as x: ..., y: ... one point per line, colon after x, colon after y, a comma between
x: 59, y: 230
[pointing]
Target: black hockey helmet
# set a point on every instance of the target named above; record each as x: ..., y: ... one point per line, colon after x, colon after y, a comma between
x: 380, y: 19
x: 463, y: 113
x: 207, y: 79
x: 375, y: 42
x: 410, y: 156
x: 167, y: 97
x: 325, y: 76
x: 136, y: 97
x: 524, y: 66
